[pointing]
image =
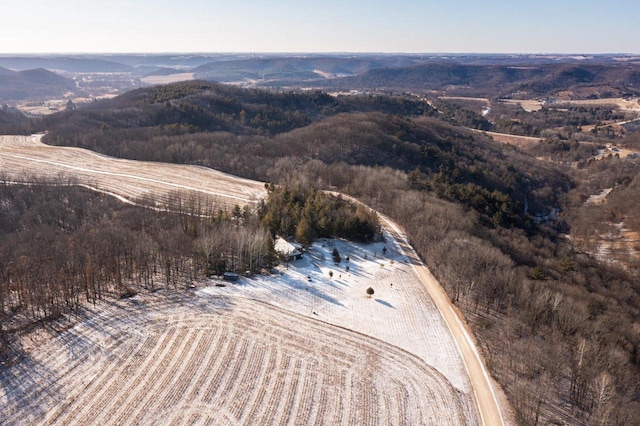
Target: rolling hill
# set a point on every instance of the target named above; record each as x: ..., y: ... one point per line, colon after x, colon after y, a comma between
x: 487, y: 219
x: 33, y: 83
x: 502, y: 80
x: 297, y: 70
x: 70, y: 64
x: 247, y: 132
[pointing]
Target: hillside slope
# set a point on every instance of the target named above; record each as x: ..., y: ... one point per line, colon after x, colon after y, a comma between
x: 249, y: 132
x: 486, y: 218
x: 34, y: 83
x: 534, y: 81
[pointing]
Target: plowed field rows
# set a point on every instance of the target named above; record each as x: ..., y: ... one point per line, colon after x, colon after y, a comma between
x: 295, y: 348
x: 179, y: 360
x: 25, y: 157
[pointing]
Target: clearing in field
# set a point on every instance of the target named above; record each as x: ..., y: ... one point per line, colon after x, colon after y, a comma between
x: 168, y: 79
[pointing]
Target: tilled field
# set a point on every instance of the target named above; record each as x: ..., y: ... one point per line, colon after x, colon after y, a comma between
x: 165, y: 359
x: 294, y: 348
x: 25, y: 157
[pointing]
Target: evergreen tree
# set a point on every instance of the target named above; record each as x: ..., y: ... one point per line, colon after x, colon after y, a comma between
x: 304, y: 232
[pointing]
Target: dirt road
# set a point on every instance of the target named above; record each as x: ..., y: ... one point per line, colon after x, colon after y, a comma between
x: 25, y: 156
x: 483, y: 392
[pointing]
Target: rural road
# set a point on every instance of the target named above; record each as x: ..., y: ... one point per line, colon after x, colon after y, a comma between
x: 483, y: 393
x: 486, y: 401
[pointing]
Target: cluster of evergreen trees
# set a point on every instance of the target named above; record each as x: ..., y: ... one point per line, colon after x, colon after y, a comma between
x: 308, y: 214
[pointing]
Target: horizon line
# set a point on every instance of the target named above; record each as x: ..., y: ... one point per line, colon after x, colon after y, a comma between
x: 5, y: 54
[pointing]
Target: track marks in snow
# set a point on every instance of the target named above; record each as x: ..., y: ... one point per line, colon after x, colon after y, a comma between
x: 23, y: 157
x: 250, y: 364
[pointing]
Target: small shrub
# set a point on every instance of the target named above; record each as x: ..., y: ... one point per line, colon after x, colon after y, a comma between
x: 336, y: 256
x: 537, y: 274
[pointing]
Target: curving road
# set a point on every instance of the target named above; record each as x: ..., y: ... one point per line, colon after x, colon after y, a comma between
x: 483, y: 392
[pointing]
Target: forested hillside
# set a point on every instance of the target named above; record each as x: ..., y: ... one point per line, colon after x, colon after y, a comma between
x: 32, y: 83
x: 13, y: 122
x: 559, y: 329
x: 256, y: 133
x: 501, y: 79
x: 62, y: 245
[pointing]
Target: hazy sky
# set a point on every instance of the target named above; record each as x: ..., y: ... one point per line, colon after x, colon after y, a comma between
x: 540, y: 26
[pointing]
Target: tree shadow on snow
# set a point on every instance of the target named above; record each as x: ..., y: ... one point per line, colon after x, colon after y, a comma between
x: 385, y: 303
x: 25, y: 382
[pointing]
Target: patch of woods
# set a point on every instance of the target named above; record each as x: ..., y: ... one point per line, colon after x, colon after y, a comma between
x: 559, y: 329
x: 529, y: 79
x: 62, y: 245
x: 554, y: 121
x: 32, y: 83
x: 609, y: 226
x: 215, y: 126
x: 453, y: 112
x: 194, y: 107
x: 13, y: 122
x: 309, y: 214
x: 564, y: 117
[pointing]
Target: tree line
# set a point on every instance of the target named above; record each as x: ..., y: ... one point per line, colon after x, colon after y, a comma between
x: 62, y: 245
x: 557, y: 327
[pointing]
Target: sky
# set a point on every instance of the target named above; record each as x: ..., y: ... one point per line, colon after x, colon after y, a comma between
x: 400, y: 26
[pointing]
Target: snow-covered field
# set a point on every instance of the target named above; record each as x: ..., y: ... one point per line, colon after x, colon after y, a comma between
x: 400, y: 311
x: 25, y: 157
x: 168, y: 79
x: 296, y: 347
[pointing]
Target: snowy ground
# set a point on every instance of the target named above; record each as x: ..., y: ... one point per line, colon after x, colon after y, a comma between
x: 296, y: 347
x: 25, y: 157
x: 400, y: 311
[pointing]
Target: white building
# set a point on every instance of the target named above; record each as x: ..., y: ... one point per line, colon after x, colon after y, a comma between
x: 291, y: 251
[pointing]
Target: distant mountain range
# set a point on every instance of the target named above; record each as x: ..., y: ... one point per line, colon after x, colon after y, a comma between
x: 499, y: 75
x: 534, y: 81
x: 65, y: 64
